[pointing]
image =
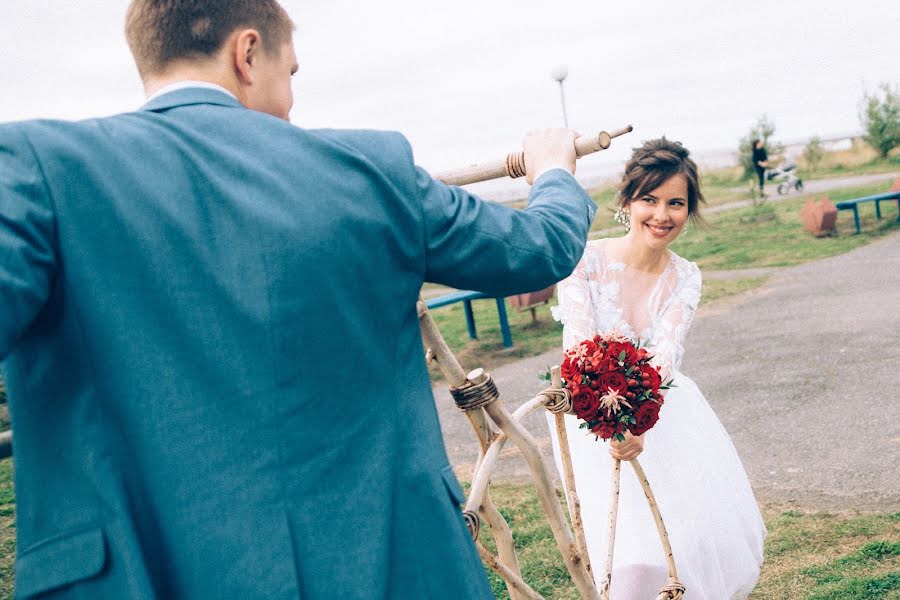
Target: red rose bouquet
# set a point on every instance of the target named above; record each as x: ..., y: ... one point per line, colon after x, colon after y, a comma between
x: 613, y: 385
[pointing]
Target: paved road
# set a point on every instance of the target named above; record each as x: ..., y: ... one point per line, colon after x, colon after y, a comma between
x: 802, y: 372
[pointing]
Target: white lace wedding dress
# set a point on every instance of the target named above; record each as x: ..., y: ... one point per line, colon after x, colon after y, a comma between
x: 702, y: 490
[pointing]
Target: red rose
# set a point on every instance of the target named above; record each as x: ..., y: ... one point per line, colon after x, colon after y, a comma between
x: 585, y: 403
x: 588, y: 347
x: 604, y: 429
x: 611, y: 363
x: 615, y: 350
x: 615, y: 381
x: 650, y: 374
x: 646, y: 416
x: 593, y: 363
x: 571, y: 372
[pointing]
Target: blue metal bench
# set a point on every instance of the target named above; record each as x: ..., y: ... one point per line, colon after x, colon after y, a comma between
x: 854, y: 203
x: 466, y: 298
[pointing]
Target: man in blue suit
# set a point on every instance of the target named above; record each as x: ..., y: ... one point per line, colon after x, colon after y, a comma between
x: 207, y: 316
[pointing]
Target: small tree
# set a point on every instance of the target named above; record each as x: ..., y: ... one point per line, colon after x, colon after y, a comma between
x: 880, y: 117
x: 764, y: 129
x: 813, y: 153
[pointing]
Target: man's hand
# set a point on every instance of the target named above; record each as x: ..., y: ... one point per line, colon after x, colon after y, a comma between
x: 547, y: 149
x: 628, y: 449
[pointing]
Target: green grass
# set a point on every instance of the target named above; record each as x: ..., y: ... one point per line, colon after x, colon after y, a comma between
x: 822, y: 556
x: 771, y: 235
x: 539, y: 558
x: 859, y: 160
x: 7, y: 529
x: 808, y: 556
x: 4, y: 412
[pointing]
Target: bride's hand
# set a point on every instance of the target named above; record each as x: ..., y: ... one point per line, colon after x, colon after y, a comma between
x: 628, y: 449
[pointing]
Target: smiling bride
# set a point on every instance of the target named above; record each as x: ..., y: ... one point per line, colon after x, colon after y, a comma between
x: 635, y: 286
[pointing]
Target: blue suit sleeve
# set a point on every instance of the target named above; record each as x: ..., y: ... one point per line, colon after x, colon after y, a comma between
x: 27, y: 231
x: 479, y: 245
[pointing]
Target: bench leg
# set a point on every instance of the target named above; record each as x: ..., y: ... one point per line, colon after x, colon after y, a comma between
x: 878, y: 209
x: 470, y: 319
x: 504, y: 323
x: 856, y: 217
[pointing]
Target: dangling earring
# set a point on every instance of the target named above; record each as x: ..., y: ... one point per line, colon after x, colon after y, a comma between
x: 623, y: 217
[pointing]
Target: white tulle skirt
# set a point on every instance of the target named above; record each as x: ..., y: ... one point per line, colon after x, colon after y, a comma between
x: 703, y: 493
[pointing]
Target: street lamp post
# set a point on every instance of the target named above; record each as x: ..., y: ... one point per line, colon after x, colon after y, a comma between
x: 559, y: 74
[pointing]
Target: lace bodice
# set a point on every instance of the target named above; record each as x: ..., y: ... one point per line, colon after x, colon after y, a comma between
x: 603, y: 295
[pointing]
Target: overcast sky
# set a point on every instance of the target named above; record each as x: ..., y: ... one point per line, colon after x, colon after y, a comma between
x: 465, y: 79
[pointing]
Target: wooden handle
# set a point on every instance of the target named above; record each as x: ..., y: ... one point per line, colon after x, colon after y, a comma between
x: 614, y: 484
x: 514, y: 164
x: 569, y: 473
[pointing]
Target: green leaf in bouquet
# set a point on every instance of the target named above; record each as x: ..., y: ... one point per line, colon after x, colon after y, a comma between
x: 632, y: 420
x: 622, y: 356
x: 619, y: 437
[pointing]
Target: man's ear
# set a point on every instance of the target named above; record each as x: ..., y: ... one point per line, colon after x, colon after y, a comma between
x: 245, y: 49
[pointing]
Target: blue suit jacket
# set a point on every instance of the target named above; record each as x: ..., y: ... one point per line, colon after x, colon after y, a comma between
x: 215, y: 371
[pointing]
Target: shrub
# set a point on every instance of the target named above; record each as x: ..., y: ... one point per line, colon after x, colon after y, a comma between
x: 880, y: 117
x: 764, y: 129
x: 813, y: 153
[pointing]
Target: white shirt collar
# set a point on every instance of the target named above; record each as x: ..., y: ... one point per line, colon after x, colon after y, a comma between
x: 180, y: 85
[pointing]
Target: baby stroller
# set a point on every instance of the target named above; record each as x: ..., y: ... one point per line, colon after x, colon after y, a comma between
x: 785, y: 175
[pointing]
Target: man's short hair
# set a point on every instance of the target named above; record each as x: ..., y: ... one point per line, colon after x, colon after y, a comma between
x: 160, y: 32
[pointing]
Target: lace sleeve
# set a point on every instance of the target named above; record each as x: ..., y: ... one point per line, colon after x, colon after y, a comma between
x: 667, y: 344
x: 574, y: 309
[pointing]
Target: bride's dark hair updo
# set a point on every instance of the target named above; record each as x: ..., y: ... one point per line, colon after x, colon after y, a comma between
x: 653, y: 164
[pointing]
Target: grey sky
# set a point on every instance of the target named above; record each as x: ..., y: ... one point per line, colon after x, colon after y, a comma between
x: 465, y: 79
